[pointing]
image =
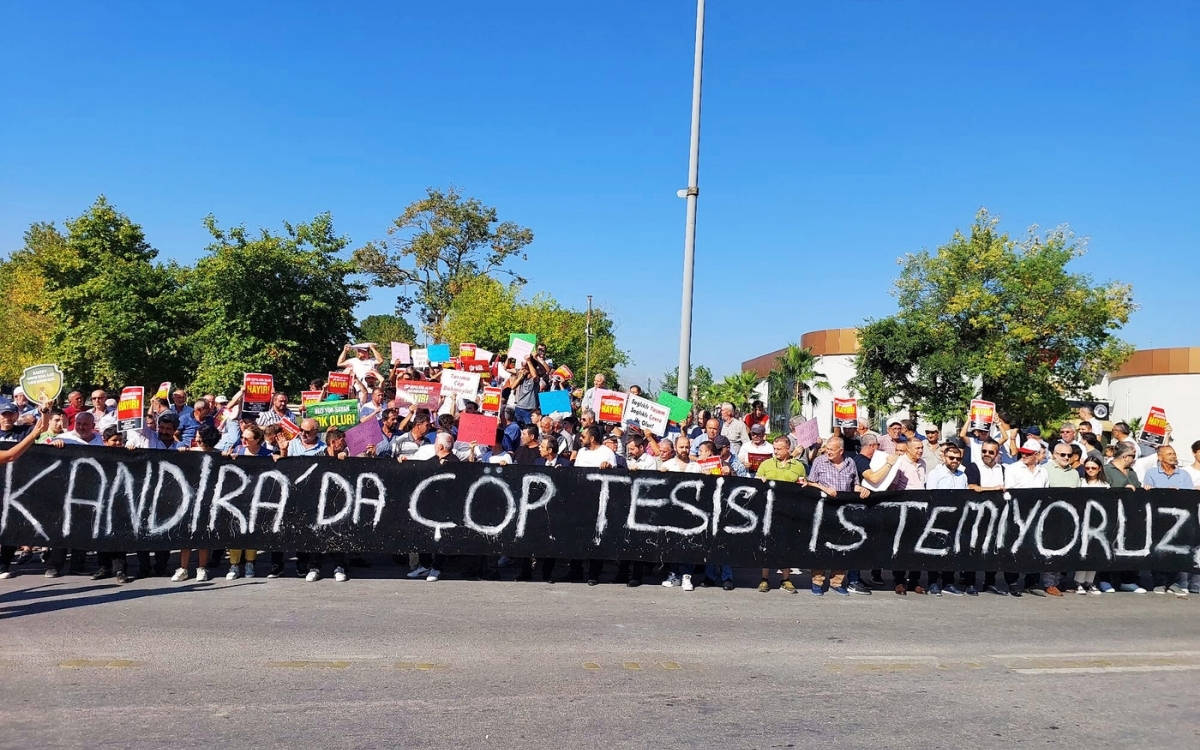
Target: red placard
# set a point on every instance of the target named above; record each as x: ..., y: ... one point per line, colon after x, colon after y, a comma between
x: 309, y: 397
x: 710, y: 465
x: 419, y: 393
x: 474, y: 365
x: 611, y: 408
x: 981, y: 416
x: 477, y: 428
x: 466, y: 351
x: 754, y: 460
x: 845, y: 412
x: 491, y: 400
x: 1154, y: 430
x: 131, y: 408
x: 339, y: 384
x: 289, y: 428
x: 257, y: 388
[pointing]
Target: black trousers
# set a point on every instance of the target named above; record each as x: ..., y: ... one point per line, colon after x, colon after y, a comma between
x: 161, y: 558
x: 434, y: 560
x: 968, y: 578
x: 56, y: 558
x: 113, y: 562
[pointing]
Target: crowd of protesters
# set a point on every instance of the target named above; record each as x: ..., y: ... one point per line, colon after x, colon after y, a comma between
x: 853, y: 459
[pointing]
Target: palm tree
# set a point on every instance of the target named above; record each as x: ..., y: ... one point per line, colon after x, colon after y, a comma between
x: 737, y: 389
x: 794, y: 378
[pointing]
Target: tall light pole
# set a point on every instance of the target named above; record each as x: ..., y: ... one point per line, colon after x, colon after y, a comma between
x: 587, y: 347
x: 692, y: 192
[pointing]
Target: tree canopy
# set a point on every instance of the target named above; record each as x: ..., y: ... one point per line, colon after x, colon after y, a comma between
x: 436, y: 247
x: 486, y: 311
x: 988, y: 315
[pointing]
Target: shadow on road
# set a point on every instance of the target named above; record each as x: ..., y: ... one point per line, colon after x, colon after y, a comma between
x: 116, y: 593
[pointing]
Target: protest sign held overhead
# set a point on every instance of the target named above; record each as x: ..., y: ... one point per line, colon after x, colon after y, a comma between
x: 131, y: 408
x: 555, y: 402
x: 421, y: 394
x: 1154, y: 429
x: 807, y: 433
x: 42, y: 382
x: 491, y: 400
x: 845, y: 412
x: 420, y: 358
x: 338, y: 384
x: 257, y: 388
x: 679, y: 407
x: 164, y: 390
x: 474, y: 365
x: 466, y: 351
x: 309, y: 397
x: 519, y: 348
x: 608, y: 406
x: 645, y: 413
x: 465, y: 384
x: 981, y: 415
x: 401, y: 353
x: 439, y: 353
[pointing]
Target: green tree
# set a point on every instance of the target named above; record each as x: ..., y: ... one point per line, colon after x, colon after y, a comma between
x: 112, y: 308
x: 384, y: 329
x: 793, y: 378
x: 276, y: 303
x: 701, y: 381
x: 485, y: 311
x: 996, y: 317
x: 25, y: 324
x: 436, y: 247
x: 738, y: 389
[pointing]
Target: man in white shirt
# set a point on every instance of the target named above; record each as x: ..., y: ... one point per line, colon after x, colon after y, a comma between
x: 103, y: 415
x: 758, y: 446
x: 681, y: 462
x: 734, y: 429
x: 84, y: 433
x: 987, y: 475
x: 638, y: 457
x: 594, y: 454
x: 1028, y: 472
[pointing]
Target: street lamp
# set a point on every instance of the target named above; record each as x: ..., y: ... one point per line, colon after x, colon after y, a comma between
x: 691, y: 193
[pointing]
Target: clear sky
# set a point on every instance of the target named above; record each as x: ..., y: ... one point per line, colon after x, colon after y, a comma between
x: 836, y: 137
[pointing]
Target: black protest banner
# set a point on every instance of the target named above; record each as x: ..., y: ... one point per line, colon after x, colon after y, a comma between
x: 97, y: 498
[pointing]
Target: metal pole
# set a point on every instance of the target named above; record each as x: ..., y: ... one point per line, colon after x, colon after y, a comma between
x: 689, y: 237
x: 587, y: 347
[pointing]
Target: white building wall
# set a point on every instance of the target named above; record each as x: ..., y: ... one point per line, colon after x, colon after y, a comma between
x: 1178, y: 395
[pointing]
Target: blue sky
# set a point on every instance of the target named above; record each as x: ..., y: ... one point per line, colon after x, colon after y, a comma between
x: 835, y: 138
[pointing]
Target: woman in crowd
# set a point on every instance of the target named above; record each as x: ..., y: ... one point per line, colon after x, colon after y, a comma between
x: 1093, y: 477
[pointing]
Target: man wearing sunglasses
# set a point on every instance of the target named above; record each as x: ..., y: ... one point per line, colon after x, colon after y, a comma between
x: 986, y: 474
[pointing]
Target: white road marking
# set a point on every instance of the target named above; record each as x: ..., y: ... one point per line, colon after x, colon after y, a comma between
x: 1104, y: 670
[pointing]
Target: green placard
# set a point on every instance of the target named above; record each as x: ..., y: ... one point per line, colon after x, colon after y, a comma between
x: 679, y: 408
x: 328, y: 414
x: 530, y: 337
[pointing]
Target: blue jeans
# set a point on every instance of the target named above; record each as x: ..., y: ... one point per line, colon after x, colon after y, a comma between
x: 523, y: 415
x: 718, y: 572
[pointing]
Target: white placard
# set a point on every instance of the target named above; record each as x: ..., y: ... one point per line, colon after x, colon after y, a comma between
x: 465, y: 384
x: 646, y: 413
x: 420, y: 358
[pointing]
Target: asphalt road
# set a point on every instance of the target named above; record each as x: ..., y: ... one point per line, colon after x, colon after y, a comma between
x: 384, y: 662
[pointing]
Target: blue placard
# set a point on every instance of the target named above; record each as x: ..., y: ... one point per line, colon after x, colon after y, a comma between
x: 439, y: 353
x: 552, y: 401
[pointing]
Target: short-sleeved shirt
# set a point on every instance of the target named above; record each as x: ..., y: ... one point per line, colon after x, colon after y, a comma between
x: 1117, y: 478
x: 941, y: 478
x: 1156, y: 478
x: 790, y: 470
x: 840, y: 477
x: 296, y: 447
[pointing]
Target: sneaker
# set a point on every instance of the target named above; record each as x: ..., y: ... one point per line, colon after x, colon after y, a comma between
x: 727, y: 585
x: 596, y: 582
x: 1177, y: 590
x: 52, y: 573
x: 953, y: 590
x: 339, y: 574
x: 181, y: 574
x: 840, y: 590
x: 1015, y: 593
x: 233, y: 573
x: 874, y: 581
x: 687, y: 582
x: 764, y: 585
x: 633, y: 583
x: 972, y: 591
x: 313, y: 575
x: 1138, y: 590
x: 202, y: 574
x: 434, y: 574
x: 1194, y: 589
x: 935, y: 589
x: 1159, y: 590
x: 817, y: 590
x: 997, y: 591
x: 1104, y: 587
x: 1032, y: 591
x: 786, y: 585
x: 418, y: 572
x: 1095, y: 591
x: 100, y: 575
x: 5, y: 573
x: 1132, y: 588
x: 1053, y: 591
x: 858, y: 588
x: 122, y: 578
x: 248, y: 569
x: 671, y: 581
x: 275, y: 571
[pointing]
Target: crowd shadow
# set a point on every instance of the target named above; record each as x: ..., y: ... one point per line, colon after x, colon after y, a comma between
x: 115, y: 593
